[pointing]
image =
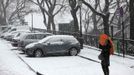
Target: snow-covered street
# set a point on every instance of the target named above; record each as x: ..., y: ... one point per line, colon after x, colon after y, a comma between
x: 11, y: 64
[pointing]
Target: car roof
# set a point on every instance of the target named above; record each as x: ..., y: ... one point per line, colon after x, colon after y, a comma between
x: 36, y: 33
x: 58, y: 36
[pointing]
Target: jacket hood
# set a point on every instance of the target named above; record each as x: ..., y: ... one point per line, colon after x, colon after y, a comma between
x: 103, y: 38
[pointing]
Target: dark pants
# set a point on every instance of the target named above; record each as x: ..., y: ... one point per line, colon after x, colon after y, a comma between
x: 105, y: 69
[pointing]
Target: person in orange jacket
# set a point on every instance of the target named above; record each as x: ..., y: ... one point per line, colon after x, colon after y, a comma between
x: 106, y: 45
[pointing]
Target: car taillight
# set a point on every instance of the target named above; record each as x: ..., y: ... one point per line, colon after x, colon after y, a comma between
x: 20, y: 43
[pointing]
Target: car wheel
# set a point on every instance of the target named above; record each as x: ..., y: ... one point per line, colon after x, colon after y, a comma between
x: 73, y: 52
x: 38, y: 53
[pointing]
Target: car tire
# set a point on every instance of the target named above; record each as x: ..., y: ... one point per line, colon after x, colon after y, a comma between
x: 73, y: 52
x: 38, y: 53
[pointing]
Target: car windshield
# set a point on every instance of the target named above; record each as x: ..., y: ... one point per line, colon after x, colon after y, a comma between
x: 20, y: 36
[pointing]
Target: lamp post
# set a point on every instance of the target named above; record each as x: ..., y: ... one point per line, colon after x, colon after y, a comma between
x: 80, y: 38
x: 123, y: 37
x: 112, y: 34
x: 32, y: 21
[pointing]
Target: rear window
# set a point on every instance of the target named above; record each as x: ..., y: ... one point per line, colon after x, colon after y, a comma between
x: 30, y: 37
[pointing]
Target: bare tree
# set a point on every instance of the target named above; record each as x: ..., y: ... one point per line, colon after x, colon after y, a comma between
x: 10, y: 10
x: 3, y: 8
x: 21, y: 9
x: 87, y: 20
x: 104, y: 15
x: 74, y: 8
x: 95, y: 18
x: 116, y: 19
x: 49, y: 9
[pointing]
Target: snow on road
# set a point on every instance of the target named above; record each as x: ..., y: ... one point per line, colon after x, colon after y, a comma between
x: 59, y: 65
x: 62, y: 65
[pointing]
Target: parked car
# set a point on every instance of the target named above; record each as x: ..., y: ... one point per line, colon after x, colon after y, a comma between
x: 3, y: 29
x: 7, y: 32
x: 13, y: 34
x: 53, y: 45
x: 18, y: 33
x: 27, y: 38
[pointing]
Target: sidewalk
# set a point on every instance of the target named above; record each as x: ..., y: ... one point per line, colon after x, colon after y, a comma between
x: 10, y: 64
x: 92, y: 53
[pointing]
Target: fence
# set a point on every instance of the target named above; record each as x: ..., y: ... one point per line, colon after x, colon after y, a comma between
x: 128, y: 47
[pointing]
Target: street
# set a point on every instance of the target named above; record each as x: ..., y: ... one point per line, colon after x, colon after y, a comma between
x: 11, y: 63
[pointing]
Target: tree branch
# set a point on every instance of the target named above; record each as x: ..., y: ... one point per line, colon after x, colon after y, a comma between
x: 59, y: 10
x: 92, y: 9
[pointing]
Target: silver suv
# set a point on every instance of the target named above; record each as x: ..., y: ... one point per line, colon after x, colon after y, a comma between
x: 27, y: 38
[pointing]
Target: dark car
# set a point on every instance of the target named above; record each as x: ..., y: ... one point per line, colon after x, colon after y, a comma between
x: 28, y: 38
x: 53, y: 45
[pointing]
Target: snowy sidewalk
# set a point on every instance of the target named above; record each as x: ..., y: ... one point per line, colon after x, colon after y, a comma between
x: 10, y: 64
x: 93, y: 53
x: 118, y: 65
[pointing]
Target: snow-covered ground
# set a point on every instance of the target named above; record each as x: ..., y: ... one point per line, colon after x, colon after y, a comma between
x: 10, y: 64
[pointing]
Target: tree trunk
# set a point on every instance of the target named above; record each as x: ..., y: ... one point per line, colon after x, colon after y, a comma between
x: 5, y: 16
x: 49, y: 24
x: 94, y: 23
x: 76, y: 26
x: 131, y: 7
x: 44, y: 17
x: 106, y: 24
x: 104, y: 16
x: 53, y: 24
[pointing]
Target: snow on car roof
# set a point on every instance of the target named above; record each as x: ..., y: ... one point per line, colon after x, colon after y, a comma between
x: 36, y: 33
x: 56, y: 36
x: 62, y: 36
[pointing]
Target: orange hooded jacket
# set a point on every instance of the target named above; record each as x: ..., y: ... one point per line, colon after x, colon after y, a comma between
x: 102, y: 40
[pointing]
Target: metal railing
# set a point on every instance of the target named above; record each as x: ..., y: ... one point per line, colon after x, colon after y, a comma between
x: 128, y: 46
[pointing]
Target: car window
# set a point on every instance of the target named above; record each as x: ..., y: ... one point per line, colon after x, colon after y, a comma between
x: 54, y: 40
x: 44, y: 40
x: 30, y: 37
x: 40, y: 36
x: 69, y: 40
x: 18, y: 34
